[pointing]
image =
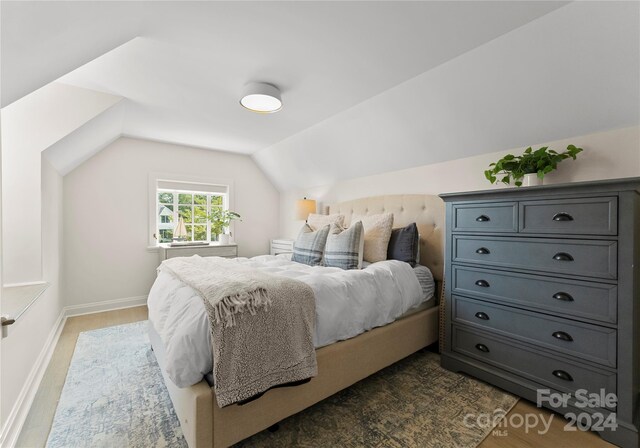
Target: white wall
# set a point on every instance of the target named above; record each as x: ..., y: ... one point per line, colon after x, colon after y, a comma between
x: 606, y: 155
x: 106, y: 214
x: 29, y: 334
x: 30, y: 125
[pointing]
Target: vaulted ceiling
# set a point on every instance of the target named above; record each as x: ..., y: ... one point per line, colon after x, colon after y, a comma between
x: 180, y: 68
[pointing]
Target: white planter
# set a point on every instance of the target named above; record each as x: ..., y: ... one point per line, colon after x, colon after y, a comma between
x: 223, y: 238
x: 531, y: 180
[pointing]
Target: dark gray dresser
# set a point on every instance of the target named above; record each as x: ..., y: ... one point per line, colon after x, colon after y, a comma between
x: 542, y: 291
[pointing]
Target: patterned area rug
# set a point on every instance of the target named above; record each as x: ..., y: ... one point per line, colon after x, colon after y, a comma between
x: 413, y: 403
x: 114, y: 395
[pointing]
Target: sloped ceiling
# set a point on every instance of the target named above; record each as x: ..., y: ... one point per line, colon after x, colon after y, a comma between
x: 183, y: 74
x: 573, y: 72
x: 48, y: 115
x: 87, y: 140
x: 367, y: 86
x: 42, y: 41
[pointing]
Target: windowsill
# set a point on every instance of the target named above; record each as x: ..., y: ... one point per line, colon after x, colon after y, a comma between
x: 156, y: 248
x: 16, y: 300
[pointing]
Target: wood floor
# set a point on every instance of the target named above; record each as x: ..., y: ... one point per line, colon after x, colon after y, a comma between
x: 36, y: 428
x: 556, y: 437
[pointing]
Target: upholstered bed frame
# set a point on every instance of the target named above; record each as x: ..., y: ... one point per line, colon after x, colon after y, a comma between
x: 339, y: 365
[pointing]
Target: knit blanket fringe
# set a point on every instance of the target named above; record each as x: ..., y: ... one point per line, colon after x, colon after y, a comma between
x: 225, y: 310
x: 227, y: 288
x: 262, y: 325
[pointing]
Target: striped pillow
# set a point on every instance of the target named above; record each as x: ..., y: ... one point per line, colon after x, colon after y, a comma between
x: 345, y: 248
x: 309, y: 245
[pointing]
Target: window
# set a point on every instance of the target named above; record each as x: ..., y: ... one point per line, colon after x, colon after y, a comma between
x: 192, y: 206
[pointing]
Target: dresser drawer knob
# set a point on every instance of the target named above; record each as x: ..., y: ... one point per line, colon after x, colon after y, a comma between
x: 482, y: 283
x: 481, y: 315
x: 562, y: 375
x: 482, y: 348
x: 562, y: 336
x: 483, y: 251
x: 563, y: 296
x: 562, y: 216
x: 483, y: 218
x: 562, y: 256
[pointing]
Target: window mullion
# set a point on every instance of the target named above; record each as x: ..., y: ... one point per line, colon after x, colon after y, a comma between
x: 173, y: 218
x: 208, y: 222
x: 176, y: 217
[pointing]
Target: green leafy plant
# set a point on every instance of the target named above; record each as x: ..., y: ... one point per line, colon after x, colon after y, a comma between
x: 221, y: 219
x: 541, y: 161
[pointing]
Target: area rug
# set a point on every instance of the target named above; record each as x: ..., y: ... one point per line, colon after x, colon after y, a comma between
x: 413, y: 403
x: 114, y: 395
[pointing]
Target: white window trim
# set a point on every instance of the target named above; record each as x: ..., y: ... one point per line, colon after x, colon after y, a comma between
x: 152, y: 243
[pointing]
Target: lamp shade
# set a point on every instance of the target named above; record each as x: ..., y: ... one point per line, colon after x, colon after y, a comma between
x: 304, y: 207
x: 261, y: 97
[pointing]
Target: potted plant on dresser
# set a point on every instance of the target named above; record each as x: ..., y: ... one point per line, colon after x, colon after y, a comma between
x: 529, y: 168
x: 220, y: 221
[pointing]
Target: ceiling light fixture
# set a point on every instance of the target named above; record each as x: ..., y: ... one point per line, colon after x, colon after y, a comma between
x: 262, y: 98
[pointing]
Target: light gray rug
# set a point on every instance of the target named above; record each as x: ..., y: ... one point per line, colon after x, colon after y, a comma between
x: 114, y: 394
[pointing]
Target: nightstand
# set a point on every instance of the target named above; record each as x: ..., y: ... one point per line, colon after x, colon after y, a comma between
x: 210, y: 250
x: 281, y: 246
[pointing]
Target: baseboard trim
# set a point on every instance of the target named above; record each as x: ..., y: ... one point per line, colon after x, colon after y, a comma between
x: 18, y: 414
x: 107, y: 305
x: 17, y: 285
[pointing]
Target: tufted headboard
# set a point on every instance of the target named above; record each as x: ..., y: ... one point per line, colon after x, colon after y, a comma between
x: 426, y: 211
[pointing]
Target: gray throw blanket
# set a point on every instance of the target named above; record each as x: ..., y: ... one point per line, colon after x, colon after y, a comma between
x: 262, y: 325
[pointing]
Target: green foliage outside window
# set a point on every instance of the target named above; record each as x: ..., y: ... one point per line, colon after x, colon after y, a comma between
x: 221, y: 219
x: 165, y: 197
x: 195, y: 209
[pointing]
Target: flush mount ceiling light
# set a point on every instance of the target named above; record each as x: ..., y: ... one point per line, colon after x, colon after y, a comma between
x: 262, y: 98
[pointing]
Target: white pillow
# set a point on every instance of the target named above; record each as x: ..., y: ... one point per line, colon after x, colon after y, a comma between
x: 316, y: 221
x: 377, y: 232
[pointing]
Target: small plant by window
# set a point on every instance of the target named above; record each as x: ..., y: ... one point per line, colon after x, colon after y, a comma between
x: 221, y: 219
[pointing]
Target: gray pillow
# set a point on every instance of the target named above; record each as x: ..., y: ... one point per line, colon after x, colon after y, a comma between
x: 404, y: 244
x: 345, y: 248
x: 309, y: 245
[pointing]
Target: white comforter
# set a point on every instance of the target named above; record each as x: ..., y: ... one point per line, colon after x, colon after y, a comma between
x: 347, y: 304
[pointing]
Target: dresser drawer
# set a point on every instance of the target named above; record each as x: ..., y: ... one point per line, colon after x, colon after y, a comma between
x: 493, y: 217
x: 206, y: 251
x: 576, y: 257
x: 585, y: 216
x: 570, y: 298
x: 585, y: 341
x: 547, y: 370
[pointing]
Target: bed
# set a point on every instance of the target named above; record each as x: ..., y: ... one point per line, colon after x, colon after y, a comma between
x: 340, y: 364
